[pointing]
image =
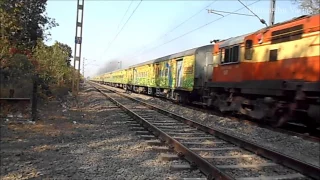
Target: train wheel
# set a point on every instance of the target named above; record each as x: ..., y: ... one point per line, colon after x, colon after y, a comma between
x: 312, y: 126
x: 280, y: 121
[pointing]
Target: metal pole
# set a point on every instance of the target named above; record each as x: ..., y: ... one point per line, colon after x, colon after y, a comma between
x: 82, y: 9
x: 83, y: 67
x: 78, y: 41
x: 2, y: 30
x: 34, y: 97
x: 272, y: 11
x: 75, y: 51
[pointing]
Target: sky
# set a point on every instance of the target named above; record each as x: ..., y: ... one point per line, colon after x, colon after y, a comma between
x: 151, y: 31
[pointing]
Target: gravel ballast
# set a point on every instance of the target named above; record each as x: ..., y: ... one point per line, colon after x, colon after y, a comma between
x: 293, y: 146
x: 85, y: 138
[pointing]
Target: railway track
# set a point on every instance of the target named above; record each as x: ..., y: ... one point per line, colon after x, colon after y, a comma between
x: 217, y: 154
x: 291, y: 129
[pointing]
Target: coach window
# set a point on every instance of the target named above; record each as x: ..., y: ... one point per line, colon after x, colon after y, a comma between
x: 221, y: 57
x: 235, y: 54
x: 226, y: 55
x: 288, y: 34
x: 157, y: 70
x: 248, y: 51
x: 231, y: 54
x: 273, y: 55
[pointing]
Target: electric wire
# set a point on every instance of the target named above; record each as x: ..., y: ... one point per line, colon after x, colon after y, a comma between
x: 122, y: 28
x: 195, y: 29
x: 241, y: 14
x: 261, y: 20
x: 144, y: 47
x: 124, y: 14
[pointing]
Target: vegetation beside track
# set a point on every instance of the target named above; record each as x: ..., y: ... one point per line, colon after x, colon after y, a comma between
x: 24, y: 56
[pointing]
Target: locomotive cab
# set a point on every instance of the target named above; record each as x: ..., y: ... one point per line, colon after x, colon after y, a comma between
x: 271, y: 74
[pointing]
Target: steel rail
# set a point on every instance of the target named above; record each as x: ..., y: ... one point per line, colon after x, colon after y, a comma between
x: 304, y: 168
x: 284, y: 130
x: 313, y: 136
x: 211, y: 171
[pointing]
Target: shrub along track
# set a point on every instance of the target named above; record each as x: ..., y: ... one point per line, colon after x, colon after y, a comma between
x: 217, y: 154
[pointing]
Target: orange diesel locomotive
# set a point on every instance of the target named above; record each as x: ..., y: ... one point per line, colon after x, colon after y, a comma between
x: 271, y: 74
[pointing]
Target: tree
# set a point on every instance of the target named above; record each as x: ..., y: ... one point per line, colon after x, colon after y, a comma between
x: 23, y: 22
x: 53, y: 68
x: 311, y: 6
x: 67, y: 49
x: 24, y: 26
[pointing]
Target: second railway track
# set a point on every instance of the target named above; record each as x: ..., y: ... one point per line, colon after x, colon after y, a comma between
x: 217, y: 154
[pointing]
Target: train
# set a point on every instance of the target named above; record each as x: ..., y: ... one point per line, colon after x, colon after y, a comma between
x: 270, y: 75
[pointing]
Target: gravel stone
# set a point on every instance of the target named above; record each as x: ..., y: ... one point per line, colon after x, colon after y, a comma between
x: 82, y: 138
x: 293, y: 146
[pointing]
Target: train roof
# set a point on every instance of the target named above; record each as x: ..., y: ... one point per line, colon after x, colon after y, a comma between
x: 115, y: 71
x: 172, y: 56
x: 143, y: 63
x: 233, y: 40
x: 239, y: 39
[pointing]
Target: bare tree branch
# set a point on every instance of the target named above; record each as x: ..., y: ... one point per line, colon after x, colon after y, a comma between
x: 310, y: 6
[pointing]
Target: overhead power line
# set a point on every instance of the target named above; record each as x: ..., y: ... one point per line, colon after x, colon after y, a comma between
x: 177, y: 26
x: 214, y: 12
x: 261, y: 20
x: 122, y: 27
x: 124, y: 14
x: 196, y: 29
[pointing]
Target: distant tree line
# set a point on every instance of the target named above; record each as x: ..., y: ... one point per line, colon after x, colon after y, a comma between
x: 24, y: 27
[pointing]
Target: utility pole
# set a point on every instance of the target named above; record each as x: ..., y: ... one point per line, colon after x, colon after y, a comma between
x: 2, y: 30
x: 272, y: 11
x: 78, y: 44
x: 120, y: 64
x: 83, y: 67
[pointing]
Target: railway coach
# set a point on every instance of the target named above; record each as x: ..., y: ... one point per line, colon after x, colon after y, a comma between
x: 117, y: 78
x: 179, y: 76
x: 271, y: 74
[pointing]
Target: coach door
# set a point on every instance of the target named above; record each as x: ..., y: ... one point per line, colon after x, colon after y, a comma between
x: 134, y: 76
x: 179, y: 74
x: 157, y: 78
x: 208, y: 67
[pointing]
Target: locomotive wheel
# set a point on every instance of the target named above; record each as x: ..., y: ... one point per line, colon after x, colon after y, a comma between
x: 203, y: 101
x: 280, y: 121
x: 312, y: 126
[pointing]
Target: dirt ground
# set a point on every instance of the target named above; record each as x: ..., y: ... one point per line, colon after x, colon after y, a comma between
x: 82, y: 138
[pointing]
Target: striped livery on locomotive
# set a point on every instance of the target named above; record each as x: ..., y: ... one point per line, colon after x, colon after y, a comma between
x: 270, y: 74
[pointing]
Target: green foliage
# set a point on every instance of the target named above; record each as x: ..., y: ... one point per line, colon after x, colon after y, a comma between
x: 68, y: 50
x: 18, y: 67
x: 24, y: 26
x: 23, y: 22
x: 52, y: 66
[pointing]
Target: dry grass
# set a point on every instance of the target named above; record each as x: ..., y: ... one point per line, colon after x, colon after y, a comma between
x: 15, y: 107
x: 41, y: 128
x: 43, y: 148
x: 26, y: 173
